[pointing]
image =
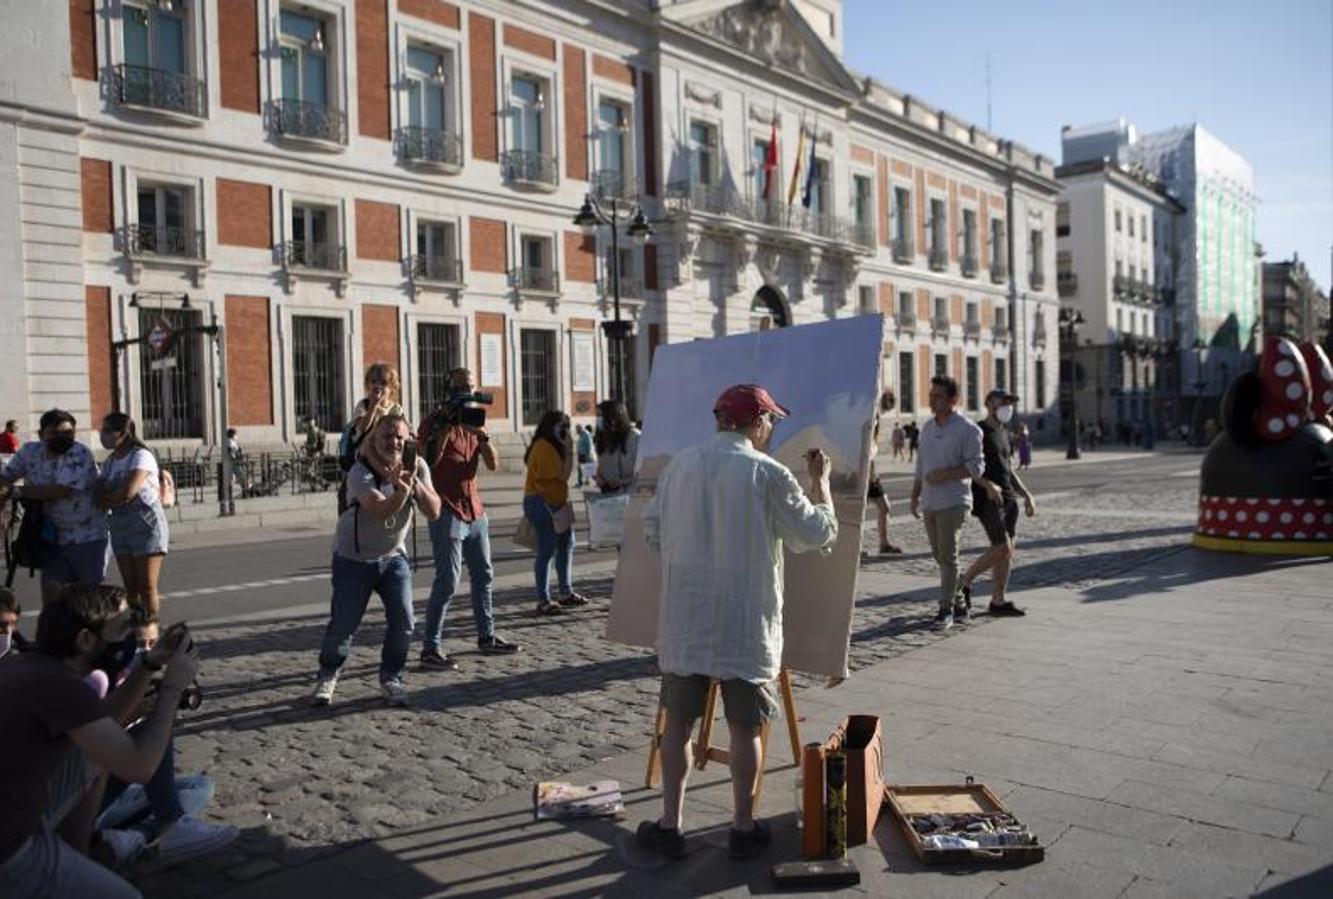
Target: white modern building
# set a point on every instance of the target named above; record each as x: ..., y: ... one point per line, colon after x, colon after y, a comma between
x: 336, y: 182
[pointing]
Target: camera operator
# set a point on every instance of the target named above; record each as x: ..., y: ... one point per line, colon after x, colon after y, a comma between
x: 462, y: 532
x: 60, y: 740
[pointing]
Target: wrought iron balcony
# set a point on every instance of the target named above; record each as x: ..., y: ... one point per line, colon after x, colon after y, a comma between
x: 1037, y: 279
x: 324, y: 257
x: 159, y: 89
x: 939, y: 259
x: 903, y: 251
x: 308, y: 121
x: 156, y: 240
x: 613, y: 184
x: 939, y: 324
x: 999, y: 271
x: 1000, y: 331
x: 1120, y: 285
x: 440, y: 269
x: 431, y: 146
x: 715, y: 199
x: 542, y: 280
x: 1066, y: 283
x: 906, y: 321
x: 969, y: 265
x: 630, y: 288
x: 863, y: 234
x: 526, y: 168
x: 972, y: 329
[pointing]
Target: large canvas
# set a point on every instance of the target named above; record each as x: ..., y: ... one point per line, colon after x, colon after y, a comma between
x: 828, y: 375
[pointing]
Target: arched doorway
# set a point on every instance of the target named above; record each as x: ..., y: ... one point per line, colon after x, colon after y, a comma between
x: 768, y: 310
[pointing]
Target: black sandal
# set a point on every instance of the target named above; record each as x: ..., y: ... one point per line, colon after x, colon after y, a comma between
x: 547, y: 607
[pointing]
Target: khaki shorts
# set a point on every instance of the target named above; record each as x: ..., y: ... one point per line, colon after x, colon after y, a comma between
x: 745, y: 704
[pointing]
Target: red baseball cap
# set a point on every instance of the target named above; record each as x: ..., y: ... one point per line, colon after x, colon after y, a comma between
x: 746, y: 402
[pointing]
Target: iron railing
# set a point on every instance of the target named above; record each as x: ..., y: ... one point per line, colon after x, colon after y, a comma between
x: 157, y: 240
x: 431, y: 146
x: 158, y: 89
x: 630, y: 288
x: 435, y: 268
x: 613, y: 184
x: 999, y: 331
x: 939, y: 324
x: 716, y: 199
x: 1119, y: 285
x: 972, y: 329
x: 1037, y: 279
x: 969, y: 265
x: 532, y: 278
x: 906, y: 320
x: 1066, y: 283
x: 529, y: 167
x: 939, y: 259
x: 326, y: 257
x: 312, y: 121
x: 198, y: 473
x: 863, y: 233
x: 999, y: 272
x: 903, y: 251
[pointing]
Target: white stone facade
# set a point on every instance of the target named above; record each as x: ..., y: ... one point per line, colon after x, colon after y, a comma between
x: 82, y: 166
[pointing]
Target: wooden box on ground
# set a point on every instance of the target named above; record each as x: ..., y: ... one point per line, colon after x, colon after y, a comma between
x: 860, y: 738
x: 906, y: 800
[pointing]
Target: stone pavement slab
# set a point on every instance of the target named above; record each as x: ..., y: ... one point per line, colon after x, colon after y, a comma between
x: 1128, y: 802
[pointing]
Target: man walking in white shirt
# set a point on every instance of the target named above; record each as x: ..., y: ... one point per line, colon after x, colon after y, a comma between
x: 722, y: 515
x: 947, y: 460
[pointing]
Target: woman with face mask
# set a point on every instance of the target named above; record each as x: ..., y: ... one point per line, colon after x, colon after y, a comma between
x: 129, y: 491
x: 59, y: 473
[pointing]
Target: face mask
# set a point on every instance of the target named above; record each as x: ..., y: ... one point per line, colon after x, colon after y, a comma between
x: 1005, y: 414
x: 6, y: 641
x: 108, y: 439
x: 60, y: 444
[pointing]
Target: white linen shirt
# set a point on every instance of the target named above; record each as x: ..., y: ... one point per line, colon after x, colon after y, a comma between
x: 722, y: 515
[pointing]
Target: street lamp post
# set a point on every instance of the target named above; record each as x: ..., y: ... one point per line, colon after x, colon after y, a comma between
x: 590, y: 216
x: 1070, y: 320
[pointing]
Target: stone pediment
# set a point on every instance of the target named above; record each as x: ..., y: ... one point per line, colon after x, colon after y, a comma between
x: 774, y: 33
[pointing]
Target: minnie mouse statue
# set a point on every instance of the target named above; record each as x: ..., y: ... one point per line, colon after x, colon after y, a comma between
x: 1266, y: 485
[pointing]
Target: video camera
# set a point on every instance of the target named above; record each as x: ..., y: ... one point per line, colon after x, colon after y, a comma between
x: 465, y: 409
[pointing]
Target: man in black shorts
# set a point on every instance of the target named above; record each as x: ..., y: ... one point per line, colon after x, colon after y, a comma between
x: 995, y: 502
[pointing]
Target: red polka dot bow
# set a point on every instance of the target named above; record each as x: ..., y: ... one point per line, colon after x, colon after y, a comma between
x: 1285, y: 395
x: 1321, y: 379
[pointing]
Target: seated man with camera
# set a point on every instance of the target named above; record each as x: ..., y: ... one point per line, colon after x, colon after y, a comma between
x: 455, y: 440
x: 61, y: 740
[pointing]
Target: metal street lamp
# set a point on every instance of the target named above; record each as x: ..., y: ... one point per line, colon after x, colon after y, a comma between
x: 590, y: 216
x: 1070, y: 321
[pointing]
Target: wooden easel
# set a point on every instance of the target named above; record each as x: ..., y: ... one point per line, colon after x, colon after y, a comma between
x: 703, y: 748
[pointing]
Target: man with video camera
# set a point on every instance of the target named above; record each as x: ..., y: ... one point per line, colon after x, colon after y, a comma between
x: 454, y: 440
x: 61, y: 740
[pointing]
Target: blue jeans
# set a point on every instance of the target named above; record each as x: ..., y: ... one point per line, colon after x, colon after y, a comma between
x: 164, y: 801
x: 76, y: 563
x: 549, y: 544
x: 353, y: 582
x: 454, y: 541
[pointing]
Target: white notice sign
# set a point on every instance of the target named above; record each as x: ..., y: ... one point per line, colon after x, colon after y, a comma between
x: 583, y: 361
x: 492, y: 367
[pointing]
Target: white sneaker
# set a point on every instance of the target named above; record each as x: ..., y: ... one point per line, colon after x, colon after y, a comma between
x: 395, y: 694
x: 125, y: 845
x: 324, y: 688
x: 190, y: 837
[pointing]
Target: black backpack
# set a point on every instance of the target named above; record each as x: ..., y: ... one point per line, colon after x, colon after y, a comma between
x: 32, y: 545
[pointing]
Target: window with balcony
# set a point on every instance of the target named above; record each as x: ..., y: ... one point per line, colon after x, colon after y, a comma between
x: 430, y: 136
x: 307, y: 108
x: 436, y: 257
x: 315, y: 242
x: 157, y: 71
x: 863, y: 210
x: 972, y: 322
x: 624, y: 270
x: 703, y: 153
x: 999, y: 252
x: 969, y: 243
x: 1000, y: 327
x: 902, y: 225
x: 614, y: 178
x: 906, y: 312
x: 529, y: 161
x: 165, y: 223
x: 907, y: 382
x: 1117, y: 221
x: 939, y: 322
x: 941, y: 364
x: 758, y: 174
x: 938, y: 229
x: 536, y: 271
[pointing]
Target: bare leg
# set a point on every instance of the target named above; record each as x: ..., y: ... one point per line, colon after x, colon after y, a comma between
x: 983, y: 563
x: 1000, y: 577
x: 674, y: 750
x: 745, y: 753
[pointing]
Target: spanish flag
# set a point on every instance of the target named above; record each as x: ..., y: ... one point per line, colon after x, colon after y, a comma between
x: 796, y: 170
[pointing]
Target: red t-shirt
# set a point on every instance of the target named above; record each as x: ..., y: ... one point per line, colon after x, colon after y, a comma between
x: 41, y: 701
x: 9, y: 443
x: 453, y: 471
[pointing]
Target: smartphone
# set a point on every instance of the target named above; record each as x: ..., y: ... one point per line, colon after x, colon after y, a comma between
x: 410, y: 457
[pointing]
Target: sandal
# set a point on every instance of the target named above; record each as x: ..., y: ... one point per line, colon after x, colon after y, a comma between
x: 574, y: 599
x: 547, y: 607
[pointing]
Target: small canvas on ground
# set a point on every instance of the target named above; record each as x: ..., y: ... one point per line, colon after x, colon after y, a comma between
x: 557, y: 799
x: 828, y: 375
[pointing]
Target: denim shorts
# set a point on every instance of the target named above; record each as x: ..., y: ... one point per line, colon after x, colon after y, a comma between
x: 138, y: 530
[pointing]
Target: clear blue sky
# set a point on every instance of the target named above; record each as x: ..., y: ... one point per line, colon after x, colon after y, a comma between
x: 1259, y: 75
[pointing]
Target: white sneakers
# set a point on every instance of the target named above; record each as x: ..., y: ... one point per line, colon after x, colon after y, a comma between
x: 395, y: 694
x: 324, y: 688
x: 188, y: 838
x: 125, y: 845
